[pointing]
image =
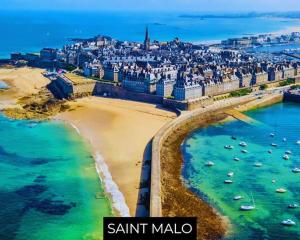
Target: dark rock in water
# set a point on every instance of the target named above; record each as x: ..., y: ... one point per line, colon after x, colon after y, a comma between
x: 40, y: 179
x: 53, y: 207
x: 31, y: 191
x: 41, y: 176
x: 39, y: 161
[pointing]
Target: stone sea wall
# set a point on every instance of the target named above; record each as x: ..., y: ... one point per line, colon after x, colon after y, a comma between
x: 243, y: 103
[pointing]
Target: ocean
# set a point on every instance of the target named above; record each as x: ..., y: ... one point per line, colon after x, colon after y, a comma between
x: 254, y: 184
x: 32, y: 30
x: 49, y: 185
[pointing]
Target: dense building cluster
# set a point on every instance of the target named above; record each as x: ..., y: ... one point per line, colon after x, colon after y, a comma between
x: 175, y: 69
x: 261, y: 40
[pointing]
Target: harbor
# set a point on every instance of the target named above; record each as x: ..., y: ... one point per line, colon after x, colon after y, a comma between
x: 265, y: 181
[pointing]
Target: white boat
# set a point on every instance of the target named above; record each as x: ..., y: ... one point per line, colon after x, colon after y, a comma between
x: 270, y: 151
x: 284, y: 139
x: 248, y: 207
x: 280, y: 190
x: 294, y: 205
x: 237, y: 198
x: 258, y: 164
x: 236, y: 159
x: 209, y: 164
x: 296, y: 170
x: 272, y: 134
x: 228, y: 147
x: 230, y: 174
x: 273, y: 181
x: 286, y: 157
x: 228, y: 181
x: 274, y: 145
x: 243, y: 144
x: 288, y: 152
x: 288, y: 222
x: 244, y: 151
x: 298, y: 142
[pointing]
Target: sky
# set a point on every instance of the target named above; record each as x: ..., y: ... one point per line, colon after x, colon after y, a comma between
x: 160, y: 5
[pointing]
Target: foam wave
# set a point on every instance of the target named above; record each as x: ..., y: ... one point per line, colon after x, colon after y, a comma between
x: 76, y: 128
x: 111, y: 187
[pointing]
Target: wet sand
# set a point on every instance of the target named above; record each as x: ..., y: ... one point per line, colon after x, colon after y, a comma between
x: 177, y: 200
x: 22, y: 82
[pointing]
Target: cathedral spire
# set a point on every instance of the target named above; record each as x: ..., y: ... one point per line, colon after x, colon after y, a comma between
x: 147, y: 40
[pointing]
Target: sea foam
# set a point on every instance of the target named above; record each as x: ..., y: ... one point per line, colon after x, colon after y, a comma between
x: 111, y: 187
x: 76, y: 128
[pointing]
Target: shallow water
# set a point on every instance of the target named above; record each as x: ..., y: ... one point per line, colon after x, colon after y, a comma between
x: 3, y: 85
x: 48, y: 183
x: 271, y: 208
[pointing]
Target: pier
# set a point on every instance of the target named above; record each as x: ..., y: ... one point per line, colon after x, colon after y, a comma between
x: 240, y: 116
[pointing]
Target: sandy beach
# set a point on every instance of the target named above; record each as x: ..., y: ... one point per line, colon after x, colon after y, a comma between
x: 22, y: 82
x: 120, y: 131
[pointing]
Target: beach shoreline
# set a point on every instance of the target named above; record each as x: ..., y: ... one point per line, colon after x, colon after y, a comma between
x: 119, y: 206
x: 107, y: 123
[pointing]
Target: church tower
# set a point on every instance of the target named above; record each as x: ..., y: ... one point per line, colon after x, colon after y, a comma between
x: 147, y: 40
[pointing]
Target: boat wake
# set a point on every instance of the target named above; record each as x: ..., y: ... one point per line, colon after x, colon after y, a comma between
x: 111, y: 187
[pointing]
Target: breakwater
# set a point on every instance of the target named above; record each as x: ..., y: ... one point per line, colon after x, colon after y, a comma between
x: 164, y: 174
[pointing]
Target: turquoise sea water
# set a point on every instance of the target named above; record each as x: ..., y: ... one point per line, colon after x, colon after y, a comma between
x: 3, y: 85
x: 48, y: 184
x: 207, y: 144
x: 32, y: 30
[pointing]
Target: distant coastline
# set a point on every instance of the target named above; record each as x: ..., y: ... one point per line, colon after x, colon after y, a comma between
x: 289, y: 15
x: 163, y: 28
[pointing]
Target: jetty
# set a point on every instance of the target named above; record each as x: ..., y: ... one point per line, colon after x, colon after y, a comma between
x: 240, y: 116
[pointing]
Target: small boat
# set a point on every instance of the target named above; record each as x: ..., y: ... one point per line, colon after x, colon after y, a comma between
x: 243, y: 144
x: 244, y: 151
x: 280, y: 190
x: 288, y: 222
x: 286, y: 157
x: 270, y: 151
x: 209, y: 164
x: 298, y: 142
x: 233, y: 138
x: 247, y: 207
x: 228, y: 147
x: 258, y: 164
x: 288, y: 152
x: 296, y: 170
x: 236, y: 159
x: 237, y: 198
x: 274, y: 145
x: 273, y: 181
x: 230, y: 174
x: 272, y: 134
x: 284, y: 139
x: 292, y: 206
x: 228, y: 181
